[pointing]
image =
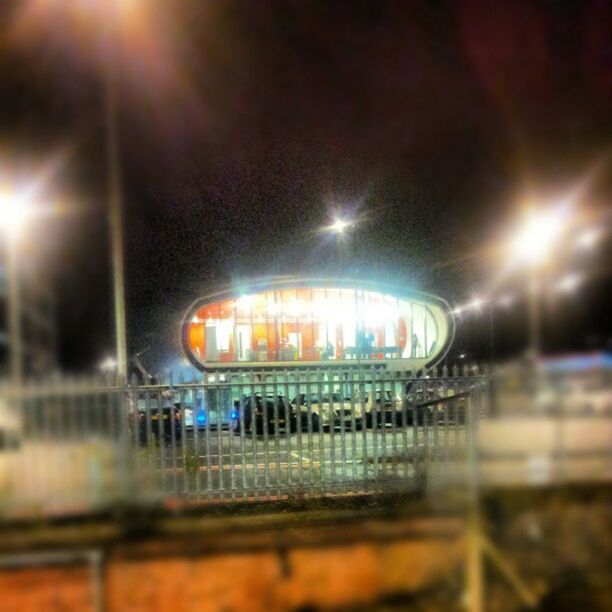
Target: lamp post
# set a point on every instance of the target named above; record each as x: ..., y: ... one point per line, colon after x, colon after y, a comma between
x: 115, y: 208
x: 104, y: 17
x: 13, y: 212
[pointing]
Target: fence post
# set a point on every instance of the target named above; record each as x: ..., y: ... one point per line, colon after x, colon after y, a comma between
x: 125, y: 464
x: 474, y: 564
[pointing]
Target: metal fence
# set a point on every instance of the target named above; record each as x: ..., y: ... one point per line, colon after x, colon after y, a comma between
x: 251, y: 435
x: 78, y: 446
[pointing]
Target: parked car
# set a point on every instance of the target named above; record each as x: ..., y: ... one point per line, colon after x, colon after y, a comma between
x: 158, y: 421
x: 382, y: 409
x: 331, y: 411
x: 256, y: 415
x: 195, y: 417
x: 208, y: 409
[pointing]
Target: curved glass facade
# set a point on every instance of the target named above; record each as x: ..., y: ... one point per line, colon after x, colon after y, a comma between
x: 312, y: 324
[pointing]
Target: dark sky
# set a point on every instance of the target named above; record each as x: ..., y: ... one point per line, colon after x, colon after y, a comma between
x: 244, y: 125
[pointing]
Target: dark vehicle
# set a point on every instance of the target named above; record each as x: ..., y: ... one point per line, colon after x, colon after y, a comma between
x: 417, y: 414
x: 158, y: 423
x: 259, y: 416
x: 383, y: 409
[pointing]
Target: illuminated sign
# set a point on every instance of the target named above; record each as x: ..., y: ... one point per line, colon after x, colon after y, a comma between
x: 313, y: 322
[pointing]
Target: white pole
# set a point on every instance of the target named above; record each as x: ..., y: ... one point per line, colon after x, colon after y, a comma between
x: 14, y: 308
x: 115, y: 211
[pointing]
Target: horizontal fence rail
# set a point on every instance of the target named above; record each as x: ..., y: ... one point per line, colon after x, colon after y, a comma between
x: 79, y: 446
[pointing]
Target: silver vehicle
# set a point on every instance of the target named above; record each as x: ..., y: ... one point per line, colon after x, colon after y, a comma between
x: 329, y: 411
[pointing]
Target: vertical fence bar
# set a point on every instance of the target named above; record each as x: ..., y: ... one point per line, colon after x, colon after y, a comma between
x: 322, y: 417
x: 342, y: 423
x: 403, y: 417
x: 197, y: 438
x: 185, y: 468
x: 173, y: 433
x: 161, y: 440
x: 348, y: 391
x: 219, y: 468
x: 427, y: 425
x: 225, y: 393
x: 207, y: 438
x: 363, y: 406
x: 394, y: 423
x: 376, y: 418
x: 239, y: 409
x: 293, y: 415
x: 333, y: 429
x: 146, y: 433
x: 310, y: 424
x: 474, y: 569
x: 252, y: 427
x: 378, y: 384
x: 46, y: 403
x: 265, y: 419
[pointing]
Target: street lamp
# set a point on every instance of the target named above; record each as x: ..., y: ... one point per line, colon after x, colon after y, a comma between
x: 115, y: 205
x: 105, y: 17
x: 339, y: 225
x: 540, y: 230
x: 532, y: 246
x: 14, y: 210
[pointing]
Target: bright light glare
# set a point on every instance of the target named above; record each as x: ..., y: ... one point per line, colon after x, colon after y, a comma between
x: 81, y: 11
x: 569, y: 283
x: 477, y: 303
x: 14, y: 209
x: 537, y: 236
x: 245, y: 302
x: 589, y: 238
x: 457, y: 311
x: 506, y: 300
x: 108, y: 365
x: 339, y: 225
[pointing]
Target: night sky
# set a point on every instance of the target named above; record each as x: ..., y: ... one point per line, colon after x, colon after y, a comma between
x: 245, y: 125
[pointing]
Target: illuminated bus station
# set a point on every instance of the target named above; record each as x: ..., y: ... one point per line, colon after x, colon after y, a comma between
x: 310, y: 323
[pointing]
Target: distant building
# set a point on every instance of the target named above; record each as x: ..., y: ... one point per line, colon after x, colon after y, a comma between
x: 310, y: 322
x: 37, y: 316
